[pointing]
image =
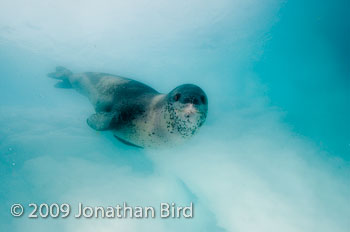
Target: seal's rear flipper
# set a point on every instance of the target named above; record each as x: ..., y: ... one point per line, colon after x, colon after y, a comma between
x: 61, y: 73
x: 65, y: 84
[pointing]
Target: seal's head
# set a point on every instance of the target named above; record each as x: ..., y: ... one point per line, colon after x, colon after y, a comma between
x: 188, y: 108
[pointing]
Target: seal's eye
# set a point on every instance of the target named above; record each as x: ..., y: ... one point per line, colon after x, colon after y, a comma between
x: 203, y: 99
x: 177, y: 96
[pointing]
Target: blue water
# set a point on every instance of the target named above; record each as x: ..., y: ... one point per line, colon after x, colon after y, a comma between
x: 273, y: 154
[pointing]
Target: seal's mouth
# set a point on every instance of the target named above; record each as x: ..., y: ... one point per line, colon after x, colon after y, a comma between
x: 190, y: 110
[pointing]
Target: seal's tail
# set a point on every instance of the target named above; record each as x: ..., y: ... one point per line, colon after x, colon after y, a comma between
x: 63, y: 75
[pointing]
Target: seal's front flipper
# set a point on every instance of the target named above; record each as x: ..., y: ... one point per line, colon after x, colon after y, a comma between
x: 126, y: 142
x: 100, y: 121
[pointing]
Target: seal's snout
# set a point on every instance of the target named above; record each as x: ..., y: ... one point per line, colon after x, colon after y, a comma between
x: 190, y: 110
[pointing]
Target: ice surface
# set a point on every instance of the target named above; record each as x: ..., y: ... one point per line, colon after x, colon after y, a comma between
x: 248, y: 169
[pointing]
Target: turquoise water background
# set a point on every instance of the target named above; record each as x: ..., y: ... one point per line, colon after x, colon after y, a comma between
x: 273, y: 155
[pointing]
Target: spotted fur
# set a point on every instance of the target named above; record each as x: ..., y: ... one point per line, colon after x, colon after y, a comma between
x: 136, y: 113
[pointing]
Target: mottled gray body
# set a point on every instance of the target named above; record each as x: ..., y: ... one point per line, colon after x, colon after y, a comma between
x: 136, y: 113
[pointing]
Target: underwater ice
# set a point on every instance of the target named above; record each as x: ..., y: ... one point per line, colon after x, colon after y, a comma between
x: 246, y: 170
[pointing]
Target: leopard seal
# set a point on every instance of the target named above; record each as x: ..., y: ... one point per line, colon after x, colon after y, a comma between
x: 137, y: 114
